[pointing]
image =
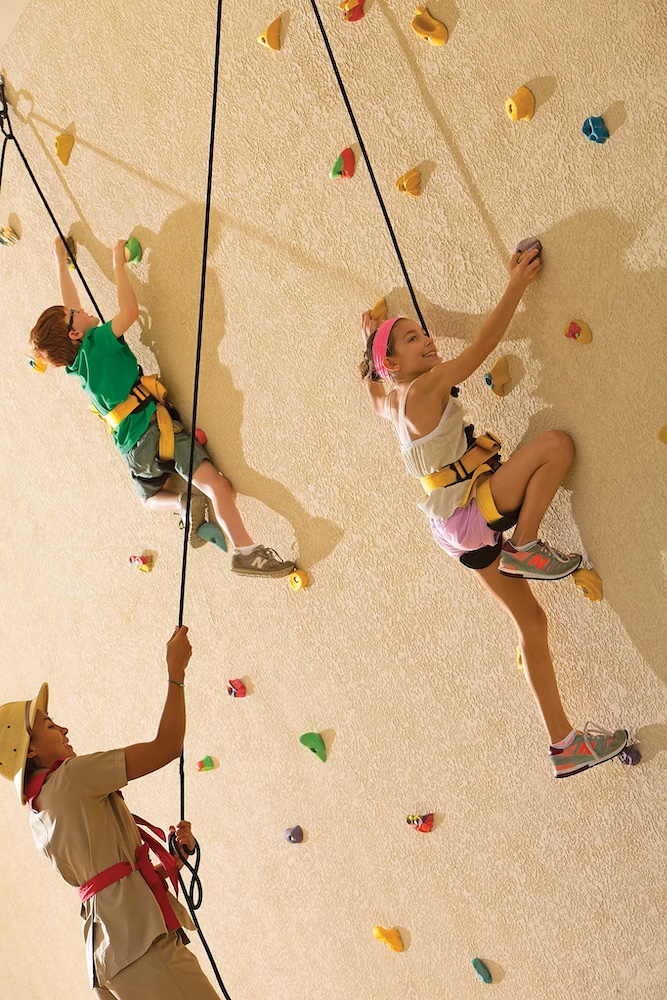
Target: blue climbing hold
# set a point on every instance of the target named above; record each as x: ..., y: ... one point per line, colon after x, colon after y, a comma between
x: 595, y: 129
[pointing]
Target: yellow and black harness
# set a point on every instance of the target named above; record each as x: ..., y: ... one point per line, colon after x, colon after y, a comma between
x: 147, y: 389
x: 483, y: 450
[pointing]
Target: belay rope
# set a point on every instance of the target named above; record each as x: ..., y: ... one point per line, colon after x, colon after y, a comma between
x: 371, y: 174
x: 8, y: 133
x: 194, y: 894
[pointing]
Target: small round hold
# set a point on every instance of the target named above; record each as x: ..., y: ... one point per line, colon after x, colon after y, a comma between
x: 298, y: 579
x: 37, y: 365
x: 631, y: 755
x: 133, y: 251
x: 200, y: 437
x: 294, y: 835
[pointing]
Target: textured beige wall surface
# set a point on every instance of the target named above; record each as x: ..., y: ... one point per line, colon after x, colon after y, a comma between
x: 394, y: 652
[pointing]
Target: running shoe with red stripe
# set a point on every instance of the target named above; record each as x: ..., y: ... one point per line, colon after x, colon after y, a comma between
x: 538, y: 562
x: 592, y: 746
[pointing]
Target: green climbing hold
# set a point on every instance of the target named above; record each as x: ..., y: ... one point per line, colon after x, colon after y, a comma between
x: 315, y: 743
x: 133, y: 251
x: 481, y: 970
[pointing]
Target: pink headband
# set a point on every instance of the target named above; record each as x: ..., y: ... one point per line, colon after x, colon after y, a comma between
x: 380, y: 342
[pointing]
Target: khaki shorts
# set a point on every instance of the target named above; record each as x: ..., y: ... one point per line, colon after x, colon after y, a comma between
x: 149, y: 477
x: 167, y: 971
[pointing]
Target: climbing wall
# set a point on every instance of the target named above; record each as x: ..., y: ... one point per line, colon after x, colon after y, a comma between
x: 393, y: 653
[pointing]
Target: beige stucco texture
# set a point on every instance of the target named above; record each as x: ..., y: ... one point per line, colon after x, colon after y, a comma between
x: 394, y: 652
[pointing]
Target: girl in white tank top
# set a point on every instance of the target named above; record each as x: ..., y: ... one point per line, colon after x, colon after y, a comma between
x: 429, y: 424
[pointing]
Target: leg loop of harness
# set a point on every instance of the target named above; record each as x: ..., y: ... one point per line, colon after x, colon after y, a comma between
x: 489, y: 511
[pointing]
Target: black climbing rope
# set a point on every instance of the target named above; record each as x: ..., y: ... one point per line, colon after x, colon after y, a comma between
x: 371, y: 174
x: 8, y: 133
x: 193, y: 902
x: 194, y: 894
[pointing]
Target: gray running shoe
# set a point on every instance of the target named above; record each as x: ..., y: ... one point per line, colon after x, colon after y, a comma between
x: 261, y: 562
x: 539, y: 562
x: 592, y: 746
x: 197, y: 517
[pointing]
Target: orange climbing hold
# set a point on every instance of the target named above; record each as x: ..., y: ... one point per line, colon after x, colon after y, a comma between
x: 379, y: 310
x: 271, y: 36
x: 426, y: 26
x: 520, y: 106
x: 64, y: 144
x: 589, y: 583
x: 391, y: 937
x: 410, y: 183
x: 353, y: 10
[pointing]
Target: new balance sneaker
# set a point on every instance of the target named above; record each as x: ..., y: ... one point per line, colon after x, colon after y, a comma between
x: 197, y: 517
x: 261, y: 562
x: 592, y: 746
x: 538, y: 562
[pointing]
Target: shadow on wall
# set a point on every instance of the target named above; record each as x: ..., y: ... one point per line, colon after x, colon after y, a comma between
x: 608, y: 396
x: 172, y: 300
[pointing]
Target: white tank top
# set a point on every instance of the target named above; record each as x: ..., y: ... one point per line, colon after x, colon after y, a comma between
x: 445, y: 444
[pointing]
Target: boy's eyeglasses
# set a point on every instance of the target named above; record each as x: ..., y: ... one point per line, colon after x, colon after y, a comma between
x: 72, y: 314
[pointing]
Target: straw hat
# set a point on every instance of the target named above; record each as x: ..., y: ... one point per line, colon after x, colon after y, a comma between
x: 16, y: 721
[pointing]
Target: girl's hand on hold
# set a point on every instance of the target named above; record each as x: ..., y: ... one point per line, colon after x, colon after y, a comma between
x: 60, y: 251
x: 179, y: 652
x: 368, y: 326
x: 184, y: 836
x: 524, y: 273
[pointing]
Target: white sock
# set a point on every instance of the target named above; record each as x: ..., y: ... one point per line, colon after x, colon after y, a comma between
x: 522, y: 548
x: 564, y: 743
x: 245, y: 550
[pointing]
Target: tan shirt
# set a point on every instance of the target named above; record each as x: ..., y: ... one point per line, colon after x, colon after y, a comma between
x: 83, y: 826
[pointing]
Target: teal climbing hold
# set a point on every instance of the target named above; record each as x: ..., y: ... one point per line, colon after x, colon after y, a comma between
x: 481, y: 970
x: 315, y: 743
x: 210, y: 532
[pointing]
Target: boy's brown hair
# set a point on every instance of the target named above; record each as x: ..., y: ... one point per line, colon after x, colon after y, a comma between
x: 49, y: 338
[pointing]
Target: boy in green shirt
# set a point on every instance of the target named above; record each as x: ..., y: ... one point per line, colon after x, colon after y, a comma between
x: 66, y: 336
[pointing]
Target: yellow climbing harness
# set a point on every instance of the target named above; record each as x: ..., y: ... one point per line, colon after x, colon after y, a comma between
x: 147, y: 388
x: 480, y: 451
x: 486, y: 503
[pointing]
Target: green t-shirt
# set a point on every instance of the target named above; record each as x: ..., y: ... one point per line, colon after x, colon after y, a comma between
x: 108, y: 369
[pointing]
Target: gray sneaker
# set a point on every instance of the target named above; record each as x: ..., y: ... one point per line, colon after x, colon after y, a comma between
x: 261, y: 562
x: 197, y: 517
x: 539, y: 562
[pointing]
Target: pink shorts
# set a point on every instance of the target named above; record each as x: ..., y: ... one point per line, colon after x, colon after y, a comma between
x: 465, y: 531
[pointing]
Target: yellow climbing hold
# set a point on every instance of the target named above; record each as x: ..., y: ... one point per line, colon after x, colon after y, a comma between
x: 498, y: 377
x: 521, y: 105
x: 271, y: 37
x: 428, y: 28
x: 391, y: 938
x: 7, y: 236
x: 589, y: 583
x: 662, y: 434
x: 298, y: 579
x: 379, y: 310
x: 410, y: 183
x: 64, y: 145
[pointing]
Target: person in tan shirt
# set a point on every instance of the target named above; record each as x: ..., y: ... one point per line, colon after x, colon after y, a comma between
x: 132, y: 925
